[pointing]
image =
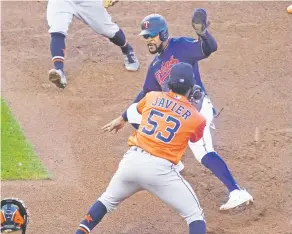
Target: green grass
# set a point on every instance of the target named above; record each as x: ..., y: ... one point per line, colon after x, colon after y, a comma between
x: 18, y: 158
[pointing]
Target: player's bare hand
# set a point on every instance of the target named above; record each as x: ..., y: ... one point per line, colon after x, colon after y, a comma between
x: 116, y: 125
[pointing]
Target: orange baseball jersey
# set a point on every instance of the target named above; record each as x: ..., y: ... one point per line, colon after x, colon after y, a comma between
x: 169, y: 121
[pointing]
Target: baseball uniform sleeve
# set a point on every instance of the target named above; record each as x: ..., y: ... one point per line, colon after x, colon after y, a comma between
x: 151, y: 84
x: 141, y: 104
x: 193, y: 49
x: 199, y: 49
x: 209, y: 44
x: 199, y: 131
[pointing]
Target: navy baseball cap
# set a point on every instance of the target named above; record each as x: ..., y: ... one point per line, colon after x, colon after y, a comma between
x: 182, y: 73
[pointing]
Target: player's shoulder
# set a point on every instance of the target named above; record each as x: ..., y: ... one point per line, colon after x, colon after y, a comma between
x: 152, y: 94
x: 197, y: 117
x: 180, y: 40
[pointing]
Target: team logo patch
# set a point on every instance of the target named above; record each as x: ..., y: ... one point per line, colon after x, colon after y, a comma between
x: 146, y: 24
x: 88, y: 218
x: 164, y: 70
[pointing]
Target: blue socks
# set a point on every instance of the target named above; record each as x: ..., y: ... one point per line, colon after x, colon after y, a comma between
x: 219, y: 168
x: 119, y: 39
x: 197, y: 227
x: 93, y: 217
x: 58, y: 50
x: 58, y: 47
x: 98, y: 211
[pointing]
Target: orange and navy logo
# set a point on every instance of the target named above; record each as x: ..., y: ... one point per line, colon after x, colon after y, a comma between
x: 88, y: 218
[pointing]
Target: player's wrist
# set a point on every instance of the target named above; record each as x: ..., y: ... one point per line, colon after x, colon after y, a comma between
x: 204, y: 35
x: 124, y: 116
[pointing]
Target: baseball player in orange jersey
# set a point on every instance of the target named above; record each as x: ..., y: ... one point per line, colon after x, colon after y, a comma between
x: 169, y: 121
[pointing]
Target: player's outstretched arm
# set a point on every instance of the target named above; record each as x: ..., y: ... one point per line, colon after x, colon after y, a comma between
x: 200, y: 24
x: 119, y: 122
x: 115, y: 124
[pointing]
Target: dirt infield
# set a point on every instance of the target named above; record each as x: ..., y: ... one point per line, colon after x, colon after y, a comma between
x: 249, y: 76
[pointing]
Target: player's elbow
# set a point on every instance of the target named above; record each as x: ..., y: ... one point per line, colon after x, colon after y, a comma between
x: 210, y: 48
x: 214, y: 47
x: 195, y: 138
x: 198, y: 134
x: 209, y: 44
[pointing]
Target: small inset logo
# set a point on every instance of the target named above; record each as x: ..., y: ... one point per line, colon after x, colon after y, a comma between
x: 146, y: 24
x: 88, y: 218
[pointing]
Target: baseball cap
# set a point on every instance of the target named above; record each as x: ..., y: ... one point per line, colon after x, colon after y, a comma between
x: 182, y: 73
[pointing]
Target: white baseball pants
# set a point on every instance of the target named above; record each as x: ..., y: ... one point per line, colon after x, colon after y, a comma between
x: 139, y: 170
x: 60, y: 14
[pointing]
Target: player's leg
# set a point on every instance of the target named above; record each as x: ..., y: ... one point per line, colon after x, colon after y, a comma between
x: 204, y: 152
x: 97, y: 17
x: 59, y: 17
x: 183, y: 199
x: 121, y: 187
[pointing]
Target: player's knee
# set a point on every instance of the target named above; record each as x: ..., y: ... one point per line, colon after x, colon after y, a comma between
x: 108, y: 202
x: 198, y: 215
x: 108, y: 31
x: 58, y: 35
x: 58, y: 27
x: 199, y: 153
x: 200, y: 149
x: 58, y: 31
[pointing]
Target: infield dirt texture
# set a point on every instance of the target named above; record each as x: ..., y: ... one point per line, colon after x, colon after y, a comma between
x: 249, y: 76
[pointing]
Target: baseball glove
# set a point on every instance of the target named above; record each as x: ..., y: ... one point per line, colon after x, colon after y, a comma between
x: 109, y: 3
x: 196, y: 94
x: 196, y: 97
x: 200, y: 21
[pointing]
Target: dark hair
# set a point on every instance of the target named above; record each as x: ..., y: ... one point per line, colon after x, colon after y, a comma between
x: 181, y: 89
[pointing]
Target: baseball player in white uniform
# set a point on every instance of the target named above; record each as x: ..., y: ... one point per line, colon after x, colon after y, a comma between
x: 92, y: 12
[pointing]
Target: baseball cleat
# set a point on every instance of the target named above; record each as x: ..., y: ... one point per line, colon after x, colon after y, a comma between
x: 131, y: 61
x: 289, y: 9
x: 58, y: 78
x: 237, y: 198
